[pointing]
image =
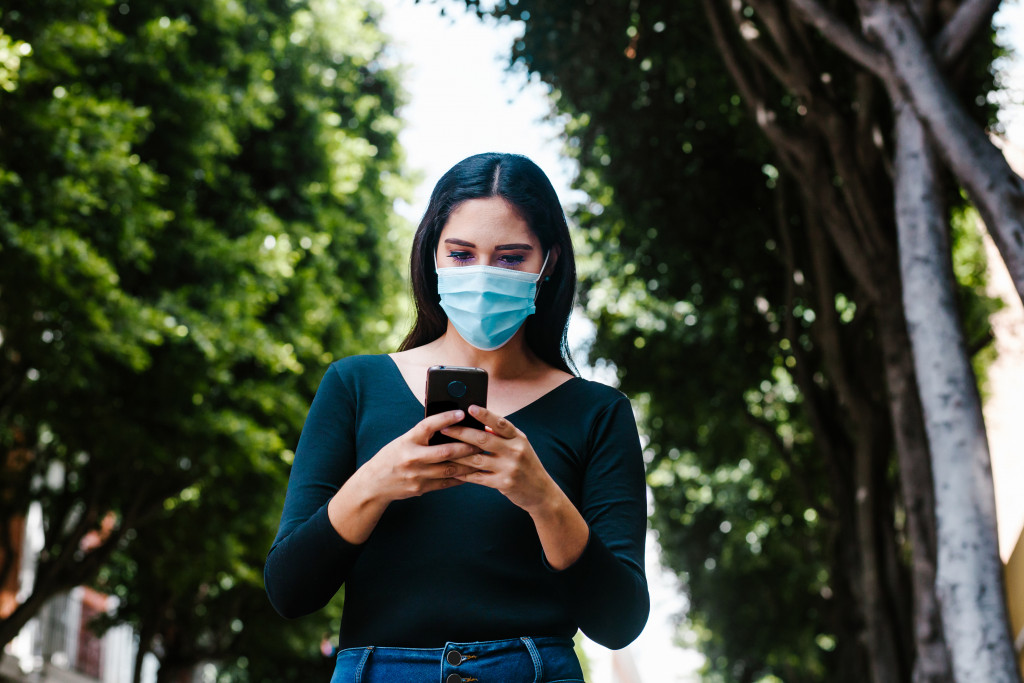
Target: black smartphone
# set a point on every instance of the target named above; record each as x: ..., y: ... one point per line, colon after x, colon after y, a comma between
x: 454, y: 388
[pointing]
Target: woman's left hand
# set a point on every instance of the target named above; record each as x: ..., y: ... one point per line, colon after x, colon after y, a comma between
x: 509, y: 464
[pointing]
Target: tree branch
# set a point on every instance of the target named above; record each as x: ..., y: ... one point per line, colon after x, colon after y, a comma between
x: 995, y: 190
x: 824, y: 199
x: 765, y: 118
x: 56, y: 567
x: 833, y: 124
x: 794, y: 82
x: 789, y: 44
x: 7, y: 550
x: 789, y: 258
x: 869, y: 137
x: 840, y: 35
x: 971, y: 16
x: 863, y: 211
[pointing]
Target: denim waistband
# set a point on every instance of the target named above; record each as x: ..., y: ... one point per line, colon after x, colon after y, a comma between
x: 526, y: 660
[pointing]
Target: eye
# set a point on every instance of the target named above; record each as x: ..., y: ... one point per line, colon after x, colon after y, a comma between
x: 460, y: 256
x: 511, y: 260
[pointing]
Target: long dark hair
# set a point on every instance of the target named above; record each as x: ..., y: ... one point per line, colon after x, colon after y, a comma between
x: 522, y: 184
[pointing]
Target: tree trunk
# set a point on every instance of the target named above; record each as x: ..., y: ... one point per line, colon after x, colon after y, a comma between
x: 866, y: 552
x: 931, y: 664
x: 880, y: 637
x: 969, y: 574
x: 145, y: 645
x: 174, y: 672
x: 12, y: 625
x: 996, y: 191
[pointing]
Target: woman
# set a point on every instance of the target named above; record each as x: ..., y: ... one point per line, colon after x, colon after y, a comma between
x: 475, y: 560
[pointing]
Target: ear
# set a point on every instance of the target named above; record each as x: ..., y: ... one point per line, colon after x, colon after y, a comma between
x: 552, y: 260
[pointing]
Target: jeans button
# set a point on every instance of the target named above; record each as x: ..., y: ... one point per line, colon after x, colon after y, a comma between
x: 454, y: 658
x: 453, y: 678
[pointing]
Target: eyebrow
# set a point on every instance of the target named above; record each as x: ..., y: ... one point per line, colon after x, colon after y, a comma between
x: 500, y: 247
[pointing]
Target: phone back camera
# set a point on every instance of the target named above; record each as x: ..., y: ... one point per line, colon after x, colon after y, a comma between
x: 456, y: 389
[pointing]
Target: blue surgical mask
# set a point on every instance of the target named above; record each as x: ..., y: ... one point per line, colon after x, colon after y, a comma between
x: 486, y: 304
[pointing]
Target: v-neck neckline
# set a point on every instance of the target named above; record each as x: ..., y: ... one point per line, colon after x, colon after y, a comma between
x: 412, y: 395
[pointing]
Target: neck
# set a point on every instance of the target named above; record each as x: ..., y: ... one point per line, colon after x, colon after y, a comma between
x: 513, y: 360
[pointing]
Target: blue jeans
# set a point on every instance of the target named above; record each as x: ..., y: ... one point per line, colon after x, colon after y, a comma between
x: 520, y: 660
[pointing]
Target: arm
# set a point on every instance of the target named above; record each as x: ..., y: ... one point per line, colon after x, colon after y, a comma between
x: 332, y: 507
x: 606, y: 587
x: 597, y: 551
x: 308, y: 560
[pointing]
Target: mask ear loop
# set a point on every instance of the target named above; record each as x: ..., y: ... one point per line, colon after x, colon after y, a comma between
x: 541, y: 279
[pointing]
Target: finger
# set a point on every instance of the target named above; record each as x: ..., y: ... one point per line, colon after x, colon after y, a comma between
x: 448, y: 451
x: 478, y: 477
x: 498, y: 424
x: 447, y: 470
x: 426, y: 427
x: 437, y: 484
x: 485, y: 441
x: 481, y: 461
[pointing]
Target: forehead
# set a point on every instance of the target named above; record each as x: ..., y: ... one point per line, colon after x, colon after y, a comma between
x: 488, y: 221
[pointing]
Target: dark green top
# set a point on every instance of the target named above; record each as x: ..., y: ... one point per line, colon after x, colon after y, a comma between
x: 464, y: 564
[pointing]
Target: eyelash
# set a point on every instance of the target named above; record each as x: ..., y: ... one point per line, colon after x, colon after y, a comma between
x: 511, y: 260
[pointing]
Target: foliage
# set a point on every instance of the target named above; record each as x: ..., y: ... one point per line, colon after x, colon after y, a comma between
x: 195, y: 218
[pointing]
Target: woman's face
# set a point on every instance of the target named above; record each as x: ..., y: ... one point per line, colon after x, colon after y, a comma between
x: 489, y: 232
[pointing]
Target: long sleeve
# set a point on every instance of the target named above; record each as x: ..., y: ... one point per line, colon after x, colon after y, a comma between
x: 466, y: 541
x: 606, y: 588
x: 308, y: 561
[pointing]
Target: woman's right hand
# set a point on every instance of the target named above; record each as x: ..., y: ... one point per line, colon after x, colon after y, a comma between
x: 405, y: 468
x: 409, y: 466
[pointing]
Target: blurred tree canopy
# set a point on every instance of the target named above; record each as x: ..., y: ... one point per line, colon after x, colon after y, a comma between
x: 195, y: 219
x: 746, y: 288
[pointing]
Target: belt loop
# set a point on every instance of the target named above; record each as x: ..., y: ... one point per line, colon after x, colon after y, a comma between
x: 362, y: 663
x: 538, y: 663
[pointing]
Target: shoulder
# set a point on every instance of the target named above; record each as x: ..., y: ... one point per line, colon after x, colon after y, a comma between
x: 593, y: 407
x: 608, y: 409
x: 349, y: 373
x: 350, y: 365
x: 596, y: 394
x: 604, y: 419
